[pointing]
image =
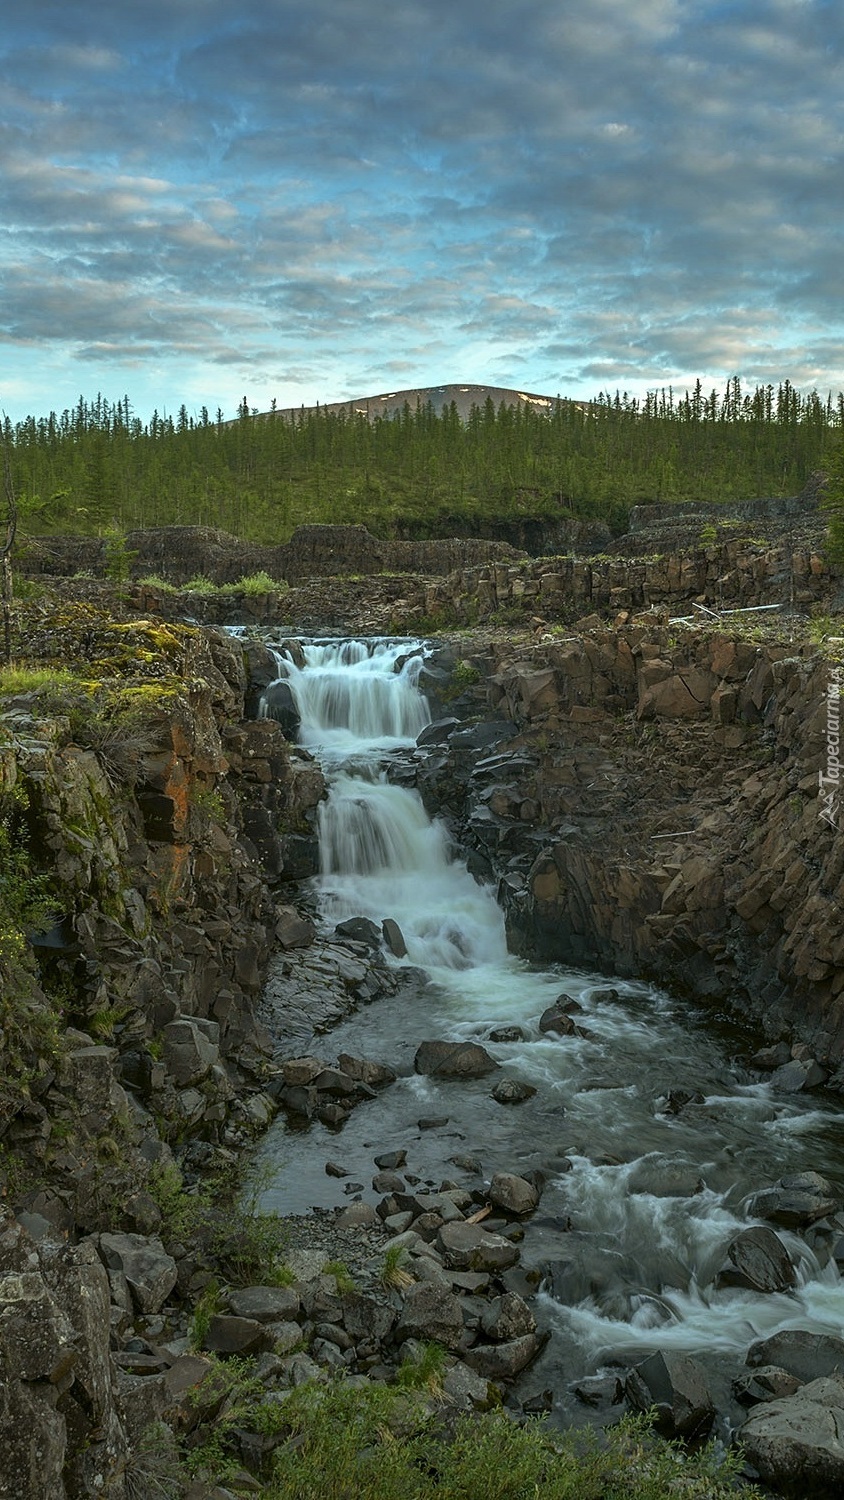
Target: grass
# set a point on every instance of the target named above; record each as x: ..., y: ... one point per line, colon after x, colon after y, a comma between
x: 393, y: 1273
x: 343, y: 1278
x: 16, y: 678
x: 243, y: 1244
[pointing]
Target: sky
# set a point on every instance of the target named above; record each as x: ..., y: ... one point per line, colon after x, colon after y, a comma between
x: 205, y: 201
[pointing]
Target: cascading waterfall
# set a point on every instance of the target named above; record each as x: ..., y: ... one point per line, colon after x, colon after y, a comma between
x: 640, y: 1204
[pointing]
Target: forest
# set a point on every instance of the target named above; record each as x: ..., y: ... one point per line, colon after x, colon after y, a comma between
x: 422, y: 472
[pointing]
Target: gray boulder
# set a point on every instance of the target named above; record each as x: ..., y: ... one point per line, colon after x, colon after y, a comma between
x: 795, y: 1201
x: 676, y: 1387
x: 809, y: 1356
x: 432, y: 1312
x: 467, y: 1247
x: 149, y: 1270
x: 796, y: 1443
x: 514, y: 1194
x: 758, y: 1259
x: 504, y: 1361
x: 190, y: 1052
x: 266, y: 1304
x: 460, y: 1060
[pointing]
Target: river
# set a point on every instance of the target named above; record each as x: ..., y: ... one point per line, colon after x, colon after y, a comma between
x: 640, y: 1204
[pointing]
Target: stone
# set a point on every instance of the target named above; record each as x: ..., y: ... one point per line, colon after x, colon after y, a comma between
x: 808, y: 1356
x: 458, y: 1060
x: 393, y: 938
x: 437, y: 732
x: 266, y: 1304
x: 507, y: 1317
x: 514, y: 1194
x: 557, y: 1020
x: 507, y: 1034
x: 228, y: 1334
x: 600, y: 1390
x: 504, y: 1361
x: 36, y: 1338
x: 390, y: 1161
x: 364, y: 1318
x: 150, y: 1272
x: 292, y: 929
x: 360, y: 930
x: 796, y: 1442
x: 431, y: 1312
x: 189, y: 1053
x: 375, y: 1075
x: 676, y: 1387
x: 767, y: 1383
x: 356, y: 1216
x: 758, y: 1259
x: 512, y: 1091
x: 468, y: 1247
x: 795, y: 1201
x: 465, y: 1388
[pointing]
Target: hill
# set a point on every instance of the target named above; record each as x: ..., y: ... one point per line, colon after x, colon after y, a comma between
x: 462, y: 397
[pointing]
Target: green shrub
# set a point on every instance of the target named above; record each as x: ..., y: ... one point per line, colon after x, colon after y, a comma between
x: 256, y: 583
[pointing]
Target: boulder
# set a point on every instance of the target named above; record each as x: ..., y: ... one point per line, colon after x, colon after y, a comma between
x: 234, y: 1335
x: 292, y: 929
x: 514, y: 1194
x: 506, y: 1318
x: 504, y: 1361
x: 266, y: 1304
x: 767, y: 1383
x: 374, y: 1075
x: 677, y: 1388
x: 808, y: 1356
x: 460, y: 1060
x: 393, y: 938
x: 278, y: 702
x: 795, y: 1201
x: 757, y: 1259
x: 796, y: 1442
x: 512, y: 1091
x: 148, y: 1269
x: 190, y: 1050
x: 360, y: 930
x: 432, y: 1312
x: 467, y: 1247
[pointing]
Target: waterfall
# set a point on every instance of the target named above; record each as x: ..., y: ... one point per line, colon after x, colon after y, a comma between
x: 650, y: 1201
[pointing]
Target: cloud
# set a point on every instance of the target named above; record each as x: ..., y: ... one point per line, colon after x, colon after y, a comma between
x: 318, y: 193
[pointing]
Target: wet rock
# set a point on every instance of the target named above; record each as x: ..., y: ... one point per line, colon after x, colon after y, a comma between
x: 333, y: 1169
x: 292, y: 929
x: 360, y: 930
x: 278, y: 703
x: 512, y: 1091
x: 796, y: 1443
x: 388, y: 1182
x: 664, y: 1179
x: 149, y: 1271
x: 795, y: 1201
x: 676, y: 1387
x: 390, y: 1161
x: 771, y: 1057
x: 758, y: 1259
x: 507, y: 1034
x: 600, y: 1390
x: 767, y: 1383
x: 374, y: 1075
x: 799, y: 1074
x: 558, y: 1020
x: 432, y: 1312
x: 514, y: 1194
x: 335, y: 1082
x: 677, y: 1100
x: 438, y: 732
x: 393, y: 938
x: 467, y: 1247
x: 459, y: 1060
x: 808, y: 1356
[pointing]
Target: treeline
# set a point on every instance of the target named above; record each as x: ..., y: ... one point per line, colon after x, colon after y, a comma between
x: 420, y: 472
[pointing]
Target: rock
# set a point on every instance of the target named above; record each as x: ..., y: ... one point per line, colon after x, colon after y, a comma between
x: 438, y: 732
x: 360, y: 930
x: 677, y: 1100
x: 150, y: 1272
x: 390, y: 1161
x: 512, y: 1091
x: 388, y: 1182
x: 393, y: 938
x: 266, y: 1304
x: 356, y: 1216
x: 293, y: 930
x: 228, y: 1334
x: 278, y: 702
x: 557, y: 1020
x: 664, y: 1179
x: 364, y: 1318
x: 467, y: 1247
x: 676, y: 1387
x: 190, y: 1050
x: 796, y: 1442
x: 507, y: 1317
x: 795, y: 1201
x: 758, y: 1259
x: 514, y: 1194
x: 799, y: 1074
x: 460, y: 1060
x: 335, y: 1082
x: 374, y: 1075
x: 767, y: 1383
x: 600, y: 1390
x: 333, y: 1169
x: 431, y: 1312
x: 36, y: 1338
x: 808, y: 1356
x: 464, y: 1388
x: 504, y: 1361
x: 300, y: 1072
x: 507, y: 1034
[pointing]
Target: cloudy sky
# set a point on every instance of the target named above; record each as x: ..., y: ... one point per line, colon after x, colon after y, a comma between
x: 307, y: 201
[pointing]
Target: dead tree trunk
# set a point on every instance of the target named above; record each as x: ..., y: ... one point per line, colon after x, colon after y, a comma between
x: 11, y: 524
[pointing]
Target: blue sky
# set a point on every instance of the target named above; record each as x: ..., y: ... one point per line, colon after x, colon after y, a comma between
x: 201, y: 201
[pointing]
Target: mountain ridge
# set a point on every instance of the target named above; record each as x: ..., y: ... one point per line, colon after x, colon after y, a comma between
x: 464, y: 396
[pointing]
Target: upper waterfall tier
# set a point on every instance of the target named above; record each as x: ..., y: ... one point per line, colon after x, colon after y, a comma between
x: 354, y: 696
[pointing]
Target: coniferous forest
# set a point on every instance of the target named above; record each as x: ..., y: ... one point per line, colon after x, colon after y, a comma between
x: 421, y: 472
